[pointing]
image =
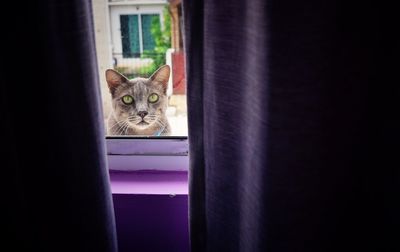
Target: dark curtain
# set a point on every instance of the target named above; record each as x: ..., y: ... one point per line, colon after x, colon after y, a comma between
x: 55, y: 187
x: 293, y: 131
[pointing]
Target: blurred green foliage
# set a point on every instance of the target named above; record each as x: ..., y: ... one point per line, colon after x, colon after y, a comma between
x: 162, y: 39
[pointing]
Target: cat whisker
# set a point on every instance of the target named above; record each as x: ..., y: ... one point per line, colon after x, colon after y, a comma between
x: 134, y: 119
x: 152, y: 118
x: 126, y: 129
x: 118, y: 131
x: 118, y: 123
x: 122, y: 130
x: 160, y: 124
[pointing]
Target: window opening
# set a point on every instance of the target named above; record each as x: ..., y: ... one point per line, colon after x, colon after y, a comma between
x: 141, y: 65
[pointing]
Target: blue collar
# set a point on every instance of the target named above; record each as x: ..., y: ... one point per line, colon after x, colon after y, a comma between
x: 158, y: 133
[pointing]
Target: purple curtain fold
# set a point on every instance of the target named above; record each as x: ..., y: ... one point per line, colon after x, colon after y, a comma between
x: 55, y: 185
x: 283, y: 108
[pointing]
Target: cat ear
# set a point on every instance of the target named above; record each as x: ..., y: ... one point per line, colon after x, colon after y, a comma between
x: 114, y: 79
x: 161, y: 76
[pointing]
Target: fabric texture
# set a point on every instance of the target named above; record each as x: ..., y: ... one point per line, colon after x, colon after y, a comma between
x: 55, y: 186
x: 283, y: 108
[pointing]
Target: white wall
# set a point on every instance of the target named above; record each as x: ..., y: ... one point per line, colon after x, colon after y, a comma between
x: 103, y: 47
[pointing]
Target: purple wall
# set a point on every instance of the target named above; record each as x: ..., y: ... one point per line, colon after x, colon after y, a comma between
x: 151, y: 210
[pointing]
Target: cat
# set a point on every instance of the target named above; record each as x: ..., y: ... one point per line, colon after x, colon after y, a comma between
x: 138, y: 105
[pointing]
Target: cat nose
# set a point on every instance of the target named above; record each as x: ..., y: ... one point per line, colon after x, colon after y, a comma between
x: 142, y: 114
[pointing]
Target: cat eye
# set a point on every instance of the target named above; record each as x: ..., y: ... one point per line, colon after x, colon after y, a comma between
x: 127, y: 99
x: 153, y: 98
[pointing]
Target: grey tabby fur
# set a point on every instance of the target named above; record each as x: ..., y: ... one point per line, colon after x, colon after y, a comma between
x: 128, y: 119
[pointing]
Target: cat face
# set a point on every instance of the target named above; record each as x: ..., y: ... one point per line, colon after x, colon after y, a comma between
x: 139, y: 103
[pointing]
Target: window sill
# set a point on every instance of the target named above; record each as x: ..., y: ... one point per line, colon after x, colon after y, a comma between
x: 147, y: 153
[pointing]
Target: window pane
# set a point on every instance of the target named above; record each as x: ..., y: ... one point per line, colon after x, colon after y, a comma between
x: 147, y: 21
x: 130, y: 35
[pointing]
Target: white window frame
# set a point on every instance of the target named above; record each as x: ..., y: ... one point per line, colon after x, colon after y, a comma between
x: 152, y: 153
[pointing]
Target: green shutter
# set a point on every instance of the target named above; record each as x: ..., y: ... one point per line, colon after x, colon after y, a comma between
x: 148, y: 39
x: 130, y: 35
